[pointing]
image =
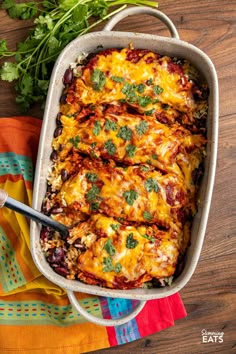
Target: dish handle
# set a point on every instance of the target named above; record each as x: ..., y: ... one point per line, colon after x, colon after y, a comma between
x: 142, y: 10
x: 102, y: 321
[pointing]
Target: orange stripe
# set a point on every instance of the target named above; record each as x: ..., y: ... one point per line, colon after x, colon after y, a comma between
x: 14, y: 179
x: 51, y: 339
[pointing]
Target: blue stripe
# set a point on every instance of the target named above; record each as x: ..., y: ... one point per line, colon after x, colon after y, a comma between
x: 129, y: 331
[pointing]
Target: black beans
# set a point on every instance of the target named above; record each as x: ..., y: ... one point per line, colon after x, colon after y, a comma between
x: 44, y: 235
x: 57, y: 132
x: 56, y: 255
x: 58, y: 118
x: 61, y: 271
x: 63, y: 98
x: 68, y: 77
x: 64, y: 175
x: 54, y: 155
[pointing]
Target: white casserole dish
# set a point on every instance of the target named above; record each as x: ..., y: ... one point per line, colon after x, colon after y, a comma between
x: 95, y: 42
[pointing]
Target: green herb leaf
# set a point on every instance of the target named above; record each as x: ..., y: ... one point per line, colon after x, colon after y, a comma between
x: 145, y: 168
x: 115, y: 227
x: 94, y: 206
x: 154, y: 156
x: 129, y: 90
x: 97, y: 128
x: 142, y: 127
x: 117, y: 78
x: 131, y: 242
x: 3, y: 46
x: 93, y: 193
x: 117, y: 268
x: 98, y: 79
x: 150, y: 238
x: 125, y: 133
x: 130, y: 149
x: 151, y: 185
x: 26, y: 85
x: 109, y: 247
x: 9, y: 71
x: 110, y: 147
x: 150, y: 82
x: 140, y: 88
x: 147, y: 216
x: 22, y: 11
x: 149, y: 112
x: 75, y: 141
x: 92, y: 177
x: 110, y: 125
x: 107, y: 264
x: 144, y: 101
x: 157, y: 89
x: 130, y: 196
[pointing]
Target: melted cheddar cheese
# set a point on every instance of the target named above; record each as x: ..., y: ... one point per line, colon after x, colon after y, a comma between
x: 128, y: 256
x: 127, y: 158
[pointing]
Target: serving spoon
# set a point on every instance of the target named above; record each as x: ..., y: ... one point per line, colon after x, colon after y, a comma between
x: 31, y: 213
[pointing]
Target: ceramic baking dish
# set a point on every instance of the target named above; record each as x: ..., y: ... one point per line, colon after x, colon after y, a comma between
x: 91, y: 43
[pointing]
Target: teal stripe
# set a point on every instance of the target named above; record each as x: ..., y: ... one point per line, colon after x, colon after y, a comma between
x: 11, y: 276
x: 13, y: 164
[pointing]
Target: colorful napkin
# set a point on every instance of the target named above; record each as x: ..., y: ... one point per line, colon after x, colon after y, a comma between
x: 34, y: 313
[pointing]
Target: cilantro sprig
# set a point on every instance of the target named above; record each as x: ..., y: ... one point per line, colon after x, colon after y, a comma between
x: 56, y: 23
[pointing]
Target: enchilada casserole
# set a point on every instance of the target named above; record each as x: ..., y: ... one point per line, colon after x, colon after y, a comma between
x: 127, y: 157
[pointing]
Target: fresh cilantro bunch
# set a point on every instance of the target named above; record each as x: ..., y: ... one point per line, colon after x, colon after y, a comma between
x: 56, y: 23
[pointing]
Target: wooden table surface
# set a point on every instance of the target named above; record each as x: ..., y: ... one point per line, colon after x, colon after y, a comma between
x: 209, y: 296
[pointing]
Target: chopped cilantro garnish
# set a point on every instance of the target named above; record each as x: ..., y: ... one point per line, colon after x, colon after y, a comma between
x: 117, y: 78
x: 130, y: 149
x: 92, y: 177
x: 144, y: 101
x: 75, y: 141
x: 93, y: 145
x: 147, y: 216
x: 109, y: 247
x: 150, y: 82
x: 94, y: 206
x: 125, y: 133
x: 142, y: 127
x: 129, y: 90
x: 145, y: 168
x: 93, y: 193
x: 115, y: 227
x: 150, y: 238
x: 117, y: 267
x: 149, y: 112
x: 108, y: 265
x: 154, y: 156
x: 140, y: 88
x: 130, y: 196
x: 98, y: 79
x: 151, y: 185
x: 131, y: 242
x: 97, y: 128
x: 110, y: 147
x: 110, y: 125
x: 157, y: 89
